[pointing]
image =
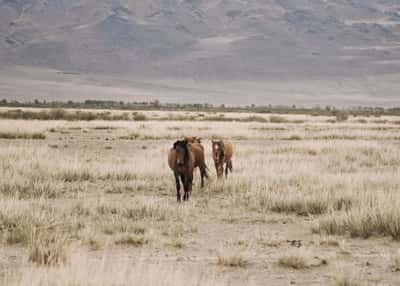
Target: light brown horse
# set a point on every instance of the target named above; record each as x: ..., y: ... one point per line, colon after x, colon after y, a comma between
x: 183, y: 158
x: 193, y: 139
x: 195, y: 143
x: 222, y: 152
x: 199, y: 161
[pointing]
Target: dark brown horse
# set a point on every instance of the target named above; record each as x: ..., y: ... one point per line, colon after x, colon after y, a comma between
x: 222, y: 152
x: 181, y: 162
x: 183, y: 158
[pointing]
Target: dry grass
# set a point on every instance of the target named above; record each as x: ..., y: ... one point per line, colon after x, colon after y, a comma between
x: 232, y: 260
x: 47, y: 246
x: 277, y: 119
x: 295, y: 261
x: 122, y: 200
x: 376, y: 215
x: 22, y: 135
x: 132, y: 240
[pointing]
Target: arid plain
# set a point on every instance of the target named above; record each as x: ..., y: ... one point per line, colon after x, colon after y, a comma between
x: 311, y: 201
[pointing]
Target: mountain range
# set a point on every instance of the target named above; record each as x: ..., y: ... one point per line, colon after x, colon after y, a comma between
x: 258, y: 40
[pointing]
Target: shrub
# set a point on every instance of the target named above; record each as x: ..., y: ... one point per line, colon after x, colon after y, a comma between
x: 132, y: 240
x: 47, y: 246
x: 139, y: 116
x: 341, y: 116
x: 277, y: 119
x: 232, y: 261
x: 22, y: 135
x: 293, y: 261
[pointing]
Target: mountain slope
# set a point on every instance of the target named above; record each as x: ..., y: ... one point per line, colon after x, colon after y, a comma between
x: 214, y: 39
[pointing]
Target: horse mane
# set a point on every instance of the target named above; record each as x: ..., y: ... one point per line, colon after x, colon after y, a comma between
x: 184, y: 144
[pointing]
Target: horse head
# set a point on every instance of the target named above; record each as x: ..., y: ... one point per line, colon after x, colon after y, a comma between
x: 182, y: 152
x: 218, y: 155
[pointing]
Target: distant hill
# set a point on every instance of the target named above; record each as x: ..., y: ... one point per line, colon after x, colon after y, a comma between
x: 204, y: 39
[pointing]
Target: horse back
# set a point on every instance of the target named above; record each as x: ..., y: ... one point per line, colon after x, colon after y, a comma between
x: 198, y: 153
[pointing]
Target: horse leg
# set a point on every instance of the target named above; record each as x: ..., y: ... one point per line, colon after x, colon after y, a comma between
x: 190, y: 183
x: 226, y: 169
x: 184, y: 183
x: 230, y: 166
x: 185, y: 187
x: 178, y: 188
x: 202, y: 173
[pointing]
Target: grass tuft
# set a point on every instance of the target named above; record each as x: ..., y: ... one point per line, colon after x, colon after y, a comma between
x: 294, y: 261
x: 233, y: 260
x: 47, y: 247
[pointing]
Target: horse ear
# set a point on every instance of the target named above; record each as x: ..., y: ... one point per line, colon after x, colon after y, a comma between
x: 198, y: 139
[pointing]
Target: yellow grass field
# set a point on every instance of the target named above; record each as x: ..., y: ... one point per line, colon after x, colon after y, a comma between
x: 310, y: 201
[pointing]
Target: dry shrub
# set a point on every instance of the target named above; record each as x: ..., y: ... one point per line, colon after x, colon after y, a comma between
x: 132, y: 240
x: 254, y: 119
x: 176, y: 243
x: 102, y: 127
x: 22, y: 135
x: 341, y: 116
x: 14, y: 228
x: 47, y: 246
x: 232, y: 260
x: 294, y: 137
x: 75, y: 175
x: 61, y: 114
x: 136, y: 116
x: 92, y: 244
x: 277, y: 119
x: 294, y: 261
x: 329, y: 242
x: 301, y: 259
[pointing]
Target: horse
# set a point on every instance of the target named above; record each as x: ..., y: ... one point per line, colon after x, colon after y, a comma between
x: 183, y: 158
x: 199, y: 161
x: 181, y: 162
x: 193, y: 139
x: 222, y: 153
